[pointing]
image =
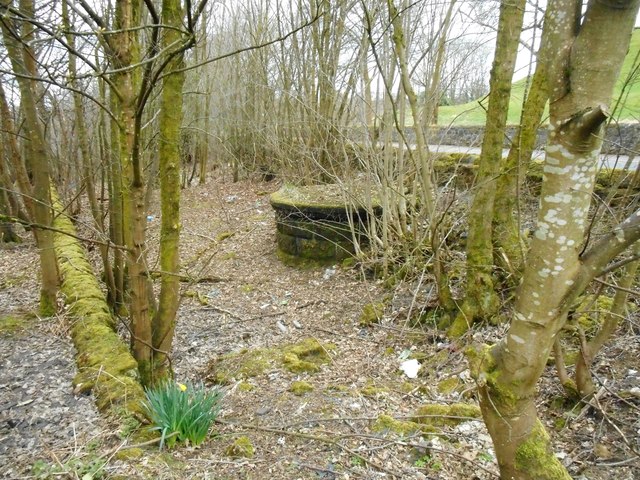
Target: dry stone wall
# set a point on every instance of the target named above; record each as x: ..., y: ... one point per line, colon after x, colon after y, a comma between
x: 623, y: 138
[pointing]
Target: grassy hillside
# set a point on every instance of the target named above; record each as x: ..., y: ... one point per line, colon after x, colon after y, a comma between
x: 473, y: 114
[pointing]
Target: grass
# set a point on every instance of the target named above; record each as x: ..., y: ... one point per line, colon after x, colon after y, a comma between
x: 473, y: 113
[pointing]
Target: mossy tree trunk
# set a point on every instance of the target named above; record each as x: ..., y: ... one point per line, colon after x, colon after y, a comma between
x: 7, y: 233
x: 481, y: 300
x: 507, y: 240
x: 105, y: 365
x: 126, y: 87
x: 116, y: 206
x: 22, y: 57
x: 9, y: 205
x: 590, y: 51
x: 86, y: 156
x: 170, y: 123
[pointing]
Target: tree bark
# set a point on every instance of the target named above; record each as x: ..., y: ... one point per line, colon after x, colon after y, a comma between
x: 507, y: 238
x: 481, y: 301
x: 22, y: 56
x: 85, y: 153
x: 170, y: 123
x: 589, y: 57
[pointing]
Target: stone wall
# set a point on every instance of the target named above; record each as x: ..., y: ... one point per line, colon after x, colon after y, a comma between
x: 623, y: 138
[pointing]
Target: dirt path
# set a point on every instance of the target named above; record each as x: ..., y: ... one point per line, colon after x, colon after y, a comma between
x: 341, y: 428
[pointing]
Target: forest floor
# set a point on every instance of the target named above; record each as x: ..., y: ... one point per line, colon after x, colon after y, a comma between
x: 345, y: 422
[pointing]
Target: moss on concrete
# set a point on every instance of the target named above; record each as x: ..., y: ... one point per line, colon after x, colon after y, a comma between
x: 323, y: 199
x: 302, y: 263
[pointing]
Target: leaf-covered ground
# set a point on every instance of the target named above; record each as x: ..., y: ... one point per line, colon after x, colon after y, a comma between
x: 354, y: 415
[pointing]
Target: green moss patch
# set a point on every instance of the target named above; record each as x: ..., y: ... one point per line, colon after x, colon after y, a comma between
x: 306, y: 356
x: 13, y: 324
x: 446, y: 415
x: 448, y: 385
x: 373, y: 391
x: 224, y: 235
x: 593, y: 311
x: 536, y: 457
x: 240, y: 448
x: 299, y: 388
x: 371, y: 313
x: 387, y: 424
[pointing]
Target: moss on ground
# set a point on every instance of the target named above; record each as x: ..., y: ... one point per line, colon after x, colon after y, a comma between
x: 371, y: 313
x: 299, y: 388
x: 446, y: 415
x: 306, y: 356
x: 371, y: 390
x: 13, y: 324
x: 241, y: 448
x: 386, y: 423
x: 448, y: 385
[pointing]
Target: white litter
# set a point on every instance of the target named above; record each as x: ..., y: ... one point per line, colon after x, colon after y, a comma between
x: 410, y: 368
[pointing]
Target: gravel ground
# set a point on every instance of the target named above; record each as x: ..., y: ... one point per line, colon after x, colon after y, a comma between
x: 251, y: 300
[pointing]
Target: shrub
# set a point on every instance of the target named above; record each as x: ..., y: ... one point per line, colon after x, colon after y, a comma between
x: 182, y: 413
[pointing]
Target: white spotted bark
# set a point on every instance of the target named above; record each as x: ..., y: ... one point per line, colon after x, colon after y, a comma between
x: 590, y: 53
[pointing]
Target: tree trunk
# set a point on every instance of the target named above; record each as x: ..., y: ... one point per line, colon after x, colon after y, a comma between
x: 7, y: 233
x: 21, y: 56
x: 17, y: 162
x: 507, y: 238
x: 481, y: 301
x: 170, y: 123
x: 589, y: 57
x: 85, y: 160
x: 134, y: 217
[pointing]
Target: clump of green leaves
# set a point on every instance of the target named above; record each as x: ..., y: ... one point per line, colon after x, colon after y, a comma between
x: 89, y: 467
x: 182, y: 413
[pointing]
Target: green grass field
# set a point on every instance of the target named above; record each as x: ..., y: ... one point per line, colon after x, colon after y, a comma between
x: 627, y: 105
